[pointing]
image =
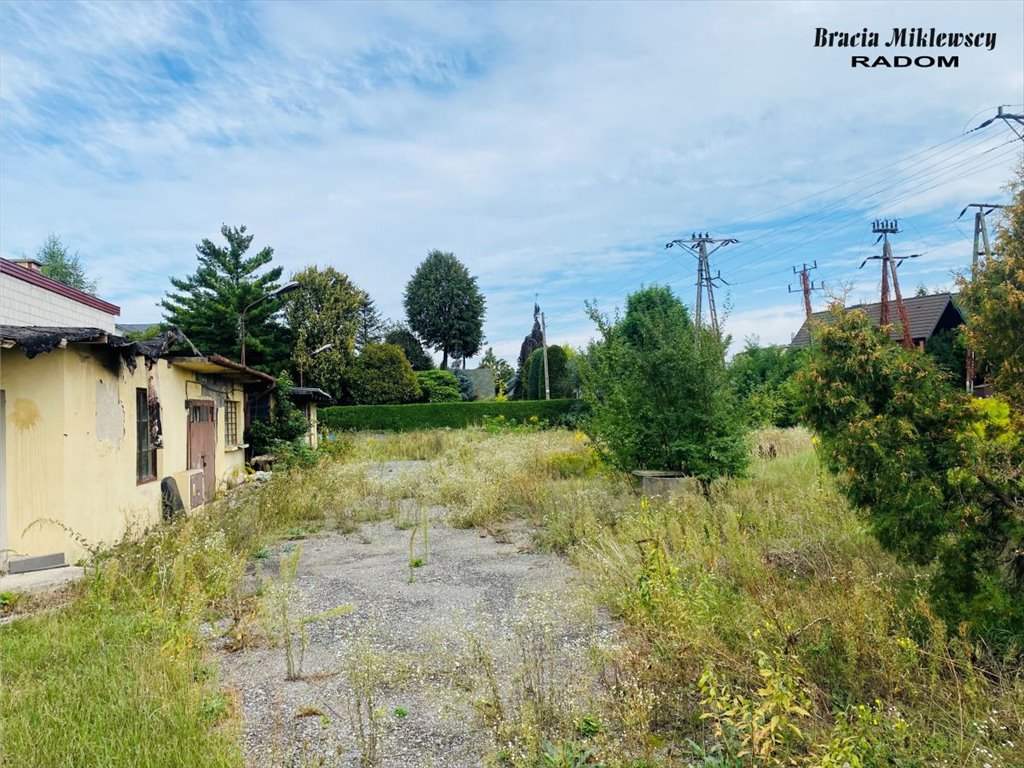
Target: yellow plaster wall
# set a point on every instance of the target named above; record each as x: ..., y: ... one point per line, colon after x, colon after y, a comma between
x: 71, y: 446
x: 34, y: 451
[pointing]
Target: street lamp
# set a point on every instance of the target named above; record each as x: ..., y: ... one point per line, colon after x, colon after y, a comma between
x: 286, y: 288
x: 313, y: 354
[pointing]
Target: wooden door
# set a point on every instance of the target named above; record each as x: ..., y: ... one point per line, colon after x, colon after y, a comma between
x: 202, y: 443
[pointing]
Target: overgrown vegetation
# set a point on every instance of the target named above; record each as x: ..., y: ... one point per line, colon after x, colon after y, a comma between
x: 940, y: 483
x: 762, y: 624
x: 286, y: 426
x: 658, y: 391
x: 382, y: 374
x: 764, y: 382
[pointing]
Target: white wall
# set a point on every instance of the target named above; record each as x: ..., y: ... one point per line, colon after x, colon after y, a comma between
x: 22, y: 303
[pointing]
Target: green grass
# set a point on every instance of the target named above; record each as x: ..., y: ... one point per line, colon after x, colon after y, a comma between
x: 762, y: 604
x: 92, y: 686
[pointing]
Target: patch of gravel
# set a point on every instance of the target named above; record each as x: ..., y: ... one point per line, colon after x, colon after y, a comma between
x: 414, y: 635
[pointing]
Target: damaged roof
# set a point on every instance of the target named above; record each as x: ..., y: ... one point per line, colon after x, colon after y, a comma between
x: 37, y: 340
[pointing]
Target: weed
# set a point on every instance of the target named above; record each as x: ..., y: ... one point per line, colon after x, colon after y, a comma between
x: 286, y: 618
x: 400, y: 712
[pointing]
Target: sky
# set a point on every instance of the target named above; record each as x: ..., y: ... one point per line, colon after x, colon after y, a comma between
x: 555, y: 148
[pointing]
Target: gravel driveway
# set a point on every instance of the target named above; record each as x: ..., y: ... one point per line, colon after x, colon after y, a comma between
x: 397, y: 682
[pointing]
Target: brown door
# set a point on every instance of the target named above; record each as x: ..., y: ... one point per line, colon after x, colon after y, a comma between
x: 202, y: 443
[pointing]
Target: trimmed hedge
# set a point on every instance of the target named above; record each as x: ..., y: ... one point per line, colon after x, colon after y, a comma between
x: 402, y: 418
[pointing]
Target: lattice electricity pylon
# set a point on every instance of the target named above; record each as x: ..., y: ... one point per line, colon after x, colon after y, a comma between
x: 697, y: 244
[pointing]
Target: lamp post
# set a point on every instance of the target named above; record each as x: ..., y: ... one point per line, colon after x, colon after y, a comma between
x: 286, y: 288
x: 313, y: 354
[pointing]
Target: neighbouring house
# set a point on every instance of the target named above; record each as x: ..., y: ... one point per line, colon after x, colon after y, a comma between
x: 101, y: 435
x: 928, y: 315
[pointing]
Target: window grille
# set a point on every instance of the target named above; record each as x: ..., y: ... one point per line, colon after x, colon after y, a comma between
x: 145, y: 451
x: 231, y: 422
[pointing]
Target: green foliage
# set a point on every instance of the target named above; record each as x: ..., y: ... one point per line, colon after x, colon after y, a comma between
x: 63, y: 266
x: 324, y: 311
x: 401, y: 336
x: 444, y: 306
x: 908, y: 449
x: 439, y: 386
x: 466, y: 389
x: 533, y: 340
x: 659, y: 392
x: 208, y: 304
x: 995, y: 300
x: 503, y: 372
x: 559, y: 374
x: 403, y: 418
x: 286, y: 425
x: 764, y: 381
x: 370, y: 327
x: 382, y: 375
x: 947, y: 349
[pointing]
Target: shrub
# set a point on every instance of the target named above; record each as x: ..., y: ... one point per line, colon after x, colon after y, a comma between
x: 438, y: 386
x: 466, y: 389
x: 286, y: 424
x: 403, y: 418
x: 382, y: 374
x: 658, y: 391
x: 764, y: 381
x: 936, y: 480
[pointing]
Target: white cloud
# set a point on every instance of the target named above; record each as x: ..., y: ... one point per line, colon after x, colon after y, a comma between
x: 555, y: 148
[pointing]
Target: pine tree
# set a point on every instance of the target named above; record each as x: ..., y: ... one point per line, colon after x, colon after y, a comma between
x: 371, y: 325
x: 208, y: 304
x: 59, y: 264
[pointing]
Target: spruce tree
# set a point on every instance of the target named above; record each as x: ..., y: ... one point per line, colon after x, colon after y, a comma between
x: 208, y: 304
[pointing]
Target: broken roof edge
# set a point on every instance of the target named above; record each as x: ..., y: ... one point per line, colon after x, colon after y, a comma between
x: 228, y: 363
x: 36, y: 340
x: 39, y: 339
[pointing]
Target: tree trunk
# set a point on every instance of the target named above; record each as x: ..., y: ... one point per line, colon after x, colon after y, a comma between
x: 444, y: 359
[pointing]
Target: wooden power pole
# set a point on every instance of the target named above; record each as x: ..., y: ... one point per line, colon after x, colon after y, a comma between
x: 884, y: 228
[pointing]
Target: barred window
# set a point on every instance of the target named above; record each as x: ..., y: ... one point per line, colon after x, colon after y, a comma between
x: 145, y: 451
x: 231, y: 422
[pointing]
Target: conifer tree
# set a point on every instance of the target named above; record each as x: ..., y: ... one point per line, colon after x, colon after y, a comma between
x: 207, y: 305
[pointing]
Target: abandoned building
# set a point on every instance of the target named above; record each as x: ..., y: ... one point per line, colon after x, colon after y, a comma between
x: 100, y: 434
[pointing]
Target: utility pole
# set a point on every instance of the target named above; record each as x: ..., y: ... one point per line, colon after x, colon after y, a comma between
x: 1014, y: 122
x: 698, y: 246
x: 544, y: 340
x: 806, y: 286
x: 884, y: 228
x: 981, y: 248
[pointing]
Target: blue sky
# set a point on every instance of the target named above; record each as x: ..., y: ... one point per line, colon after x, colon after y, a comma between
x: 554, y: 147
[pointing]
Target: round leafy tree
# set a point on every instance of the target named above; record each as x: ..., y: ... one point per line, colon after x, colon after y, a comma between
x: 659, y: 393
x: 444, y: 306
x: 382, y: 375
